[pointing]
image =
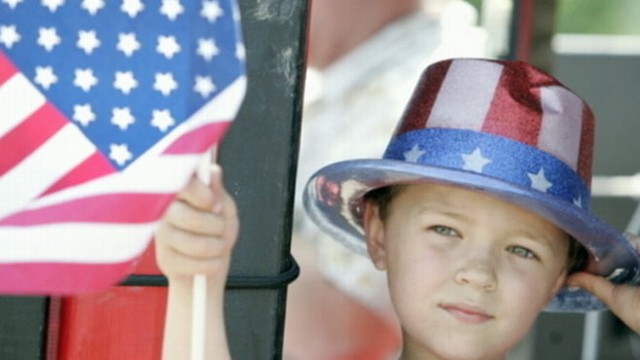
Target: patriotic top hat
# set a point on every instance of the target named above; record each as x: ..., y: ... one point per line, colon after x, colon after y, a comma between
x: 505, y: 128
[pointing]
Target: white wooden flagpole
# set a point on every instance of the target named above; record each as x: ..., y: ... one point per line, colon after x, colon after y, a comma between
x: 199, y: 305
x: 198, y: 322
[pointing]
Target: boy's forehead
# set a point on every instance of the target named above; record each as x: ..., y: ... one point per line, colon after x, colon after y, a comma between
x: 443, y: 191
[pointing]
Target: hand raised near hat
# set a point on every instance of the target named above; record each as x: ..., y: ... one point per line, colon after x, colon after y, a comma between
x: 623, y: 300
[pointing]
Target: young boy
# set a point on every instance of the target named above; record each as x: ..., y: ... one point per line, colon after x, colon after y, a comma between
x: 477, y: 211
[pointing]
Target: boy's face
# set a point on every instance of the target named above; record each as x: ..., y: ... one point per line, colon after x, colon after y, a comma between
x: 468, y: 273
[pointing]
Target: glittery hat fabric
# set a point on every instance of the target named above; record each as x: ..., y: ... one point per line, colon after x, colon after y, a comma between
x: 502, y: 127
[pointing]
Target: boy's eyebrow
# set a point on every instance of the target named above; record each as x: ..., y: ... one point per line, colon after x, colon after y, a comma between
x: 550, y: 241
x: 441, y: 207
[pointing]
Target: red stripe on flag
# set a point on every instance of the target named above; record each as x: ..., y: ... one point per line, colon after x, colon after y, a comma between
x: 61, y: 278
x: 420, y: 105
x: 585, y: 156
x: 513, y: 92
x: 129, y: 208
x: 93, y: 167
x: 29, y: 135
x: 7, y: 69
x: 199, y: 140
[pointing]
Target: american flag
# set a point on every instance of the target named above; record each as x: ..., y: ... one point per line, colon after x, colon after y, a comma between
x: 106, y: 108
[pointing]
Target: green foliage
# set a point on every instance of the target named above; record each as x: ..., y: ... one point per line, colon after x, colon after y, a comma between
x: 598, y: 16
x: 593, y: 16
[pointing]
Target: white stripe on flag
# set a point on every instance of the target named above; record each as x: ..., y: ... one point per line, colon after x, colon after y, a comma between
x: 561, y: 116
x: 18, y: 99
x: 74, y: 242
x: 465, y: 96
x: 62, y: 152
x: 148, y: 177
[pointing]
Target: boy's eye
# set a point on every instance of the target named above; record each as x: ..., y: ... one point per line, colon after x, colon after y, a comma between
x: 444, y: 230
x: 522, y: 252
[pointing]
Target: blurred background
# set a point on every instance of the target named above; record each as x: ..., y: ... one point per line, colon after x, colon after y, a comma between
x: 593, y: 46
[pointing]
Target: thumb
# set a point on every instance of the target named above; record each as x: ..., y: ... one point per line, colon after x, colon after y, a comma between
x: 215, y: 178
x: 216, y: 186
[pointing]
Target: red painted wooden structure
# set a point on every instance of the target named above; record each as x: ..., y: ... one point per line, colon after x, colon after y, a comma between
x: 125, y: 322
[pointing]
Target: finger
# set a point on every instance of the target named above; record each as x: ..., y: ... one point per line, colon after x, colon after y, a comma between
x: 224, y: 203
x: 217, y: 188
x: 175, y: 264
x: 195, y: 246
x: 598, y: 286
x: 197, y: 194
x: 193, y: 220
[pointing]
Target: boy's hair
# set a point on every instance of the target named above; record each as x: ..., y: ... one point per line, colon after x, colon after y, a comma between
x: 577, y: 255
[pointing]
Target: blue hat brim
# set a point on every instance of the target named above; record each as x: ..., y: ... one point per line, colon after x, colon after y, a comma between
x: 333, y: 199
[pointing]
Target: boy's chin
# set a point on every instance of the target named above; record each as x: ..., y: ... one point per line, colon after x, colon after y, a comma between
x: 461, y: 352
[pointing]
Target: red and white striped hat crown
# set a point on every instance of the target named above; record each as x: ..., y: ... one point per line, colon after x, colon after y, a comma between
x: 513, y: 100
x: 503, y: 127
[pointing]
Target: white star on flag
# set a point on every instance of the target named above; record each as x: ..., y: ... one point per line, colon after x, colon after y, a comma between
x: 128, y: 44
x: 168, y: 46
x: 207, y: 48
x: 211, y: 10
x: 88, y: 41
x: 578, y: 201
x: 12, y: 3
x: 132, y: 7
x: 171, y: 8
x: 48, y: 38
x: 120, y: 153
x: 45, y: 77
x: 92, y: 6
x: 83, y: 114
x: 53, y: 5
x: 241, y: 51
x: 125, y: 81
x: 162, y: 120
x: 474, y: 161
x: 539, y: 181
x: 9, y: 36
x: 85, y: 79
x: 204, y: 86
x: 122, y: 118
x: 414, y: 154
x: 165, y: 83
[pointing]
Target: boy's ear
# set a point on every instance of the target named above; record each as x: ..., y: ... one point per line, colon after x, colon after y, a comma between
x: 374, y: 235
x: 560, y: 282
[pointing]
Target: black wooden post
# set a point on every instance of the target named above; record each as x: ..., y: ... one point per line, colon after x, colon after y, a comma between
x: 259, y: 157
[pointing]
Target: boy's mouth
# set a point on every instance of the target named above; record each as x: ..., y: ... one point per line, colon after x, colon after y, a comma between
x: 466, y: 313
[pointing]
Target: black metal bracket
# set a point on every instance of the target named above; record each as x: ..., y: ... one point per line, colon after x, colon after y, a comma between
x: 233, y: 282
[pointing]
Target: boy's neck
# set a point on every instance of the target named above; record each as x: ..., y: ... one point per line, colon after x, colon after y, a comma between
x: 408, y: 355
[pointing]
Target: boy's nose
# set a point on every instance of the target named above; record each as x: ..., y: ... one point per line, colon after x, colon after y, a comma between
x: 478, y: 273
